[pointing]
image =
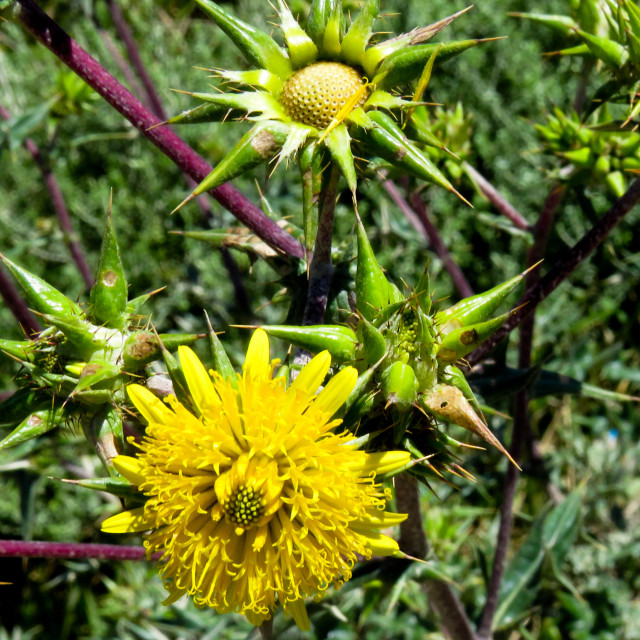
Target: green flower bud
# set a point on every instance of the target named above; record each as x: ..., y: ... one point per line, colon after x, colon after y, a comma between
x: 399, y: 385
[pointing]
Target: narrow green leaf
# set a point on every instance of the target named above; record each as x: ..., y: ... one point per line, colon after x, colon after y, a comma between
x: 389, y: 142
x: 610, y: 52
x: 373, y: 291
x: 476, y: 308
x: 257, y: 146
x: 406, y: 64
x: 339, y: 143
x: 359, y: 33
x: 458, y: 343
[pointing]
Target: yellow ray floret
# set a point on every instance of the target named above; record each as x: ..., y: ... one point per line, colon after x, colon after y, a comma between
x: 256, y: 502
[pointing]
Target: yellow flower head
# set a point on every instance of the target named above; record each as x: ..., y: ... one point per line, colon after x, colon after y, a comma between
x: 255, y: 500
x: 329, y: 86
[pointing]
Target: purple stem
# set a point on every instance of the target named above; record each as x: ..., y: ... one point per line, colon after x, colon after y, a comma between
x: 416, y: 213
x: 563, y: 268
x: 458, y: 278
x: 124, y: 32
x: 496, y: 198
x: 18, y: 306
x: 521, y: 417
x: 155, y: 104
x: 321, y: 268
x: 22, y: 549
x: 60, y: 206
x: 78, y: 60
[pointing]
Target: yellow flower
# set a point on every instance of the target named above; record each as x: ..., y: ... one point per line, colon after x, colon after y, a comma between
x: 255, y: 500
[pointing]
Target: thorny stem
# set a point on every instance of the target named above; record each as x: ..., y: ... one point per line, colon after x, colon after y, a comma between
x: 67, y: 550
x: 413, y: 541
x: 18, y: 306
x: 62, y: 45
x: 521, y: 417
x: 496, y: 198
x: 563, y: 268
x: 60, y: 206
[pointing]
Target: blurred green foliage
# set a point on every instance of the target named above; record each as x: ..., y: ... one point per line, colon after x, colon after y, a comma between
x: 587, y: 329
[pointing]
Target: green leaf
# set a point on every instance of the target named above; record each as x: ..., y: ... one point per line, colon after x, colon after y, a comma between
x: 16, y: 129
x: 339, y: 341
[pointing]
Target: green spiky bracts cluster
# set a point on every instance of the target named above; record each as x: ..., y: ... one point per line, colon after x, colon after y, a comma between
x: 75, y: 370
x: 407, y: 357
x: 602, y: 153
x: 329, y: 87
x: 609, y: 32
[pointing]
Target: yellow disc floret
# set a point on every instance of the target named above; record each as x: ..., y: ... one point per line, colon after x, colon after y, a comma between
x: 315, y: 94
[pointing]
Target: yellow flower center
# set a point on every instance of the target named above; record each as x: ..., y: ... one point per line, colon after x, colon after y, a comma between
x: 315, y: 94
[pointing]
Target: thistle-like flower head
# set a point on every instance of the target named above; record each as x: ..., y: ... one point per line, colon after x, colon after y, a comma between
x: 256, y: 500
x: 328, y: 87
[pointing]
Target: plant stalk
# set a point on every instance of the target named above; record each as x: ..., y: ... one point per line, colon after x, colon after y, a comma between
x: 413, y: 541
x: 68, y: 550
x: 44, y: 29
x: 521, y: 425
x: 563, y: 268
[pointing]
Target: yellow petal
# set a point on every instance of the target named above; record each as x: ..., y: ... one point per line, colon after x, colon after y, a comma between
x: 298, y: 612
x: 338, y: 389
x: 126, y: 522
x: 382, y: 463
x: 198, y: 380
x: 379, y: 544
x: 174, y: 596
x: 130, y: 468
x: 150, y: 406
x: 256, y: 364
x: 378, y: 520
x: 312, y: 375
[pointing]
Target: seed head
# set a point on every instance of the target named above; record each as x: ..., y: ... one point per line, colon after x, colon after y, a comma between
x: 315, y: 94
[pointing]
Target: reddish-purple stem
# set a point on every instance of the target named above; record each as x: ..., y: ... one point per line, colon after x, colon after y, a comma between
x: 59, y: 205
x: 68, y: 550
x: 78, y: 60
x: 563, y: 268
x: 124, y: 32
x: 496, y: 198
x: 155, y: 104
x: 416, y: 213
x: 458, y: 278
x: 17, y: 305
x: 521, y: 417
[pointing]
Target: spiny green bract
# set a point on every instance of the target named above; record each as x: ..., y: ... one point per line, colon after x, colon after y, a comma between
x: 75, y: 370
x: 406, y: 356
